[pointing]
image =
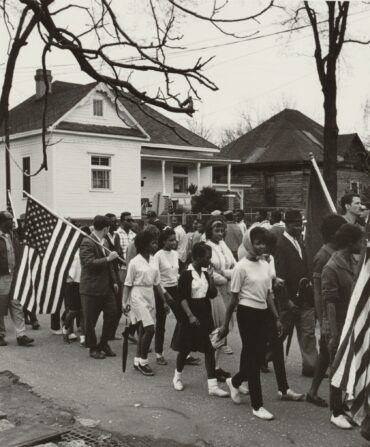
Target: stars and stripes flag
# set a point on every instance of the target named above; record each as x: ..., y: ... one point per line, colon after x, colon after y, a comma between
x: 351, y: 367
x: 50, y: 244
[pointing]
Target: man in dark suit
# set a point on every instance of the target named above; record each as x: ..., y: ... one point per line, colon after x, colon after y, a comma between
x: 98, y: 288
x: 113, y: 243
x: 291, y: 266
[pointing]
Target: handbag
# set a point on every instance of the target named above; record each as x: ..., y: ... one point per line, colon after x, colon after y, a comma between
x: 215, y: 340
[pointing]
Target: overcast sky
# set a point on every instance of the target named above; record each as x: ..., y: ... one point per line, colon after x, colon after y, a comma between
x: 256, y: 76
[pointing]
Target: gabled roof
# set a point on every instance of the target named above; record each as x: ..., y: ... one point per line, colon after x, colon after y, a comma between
x: 162, y: 130
x: 288, y: 136
x: 27, y: 116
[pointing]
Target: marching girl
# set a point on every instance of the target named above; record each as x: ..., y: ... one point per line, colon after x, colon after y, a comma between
x: 223, y: 262
x: 168, y: 264
x: 196, y: 288
x: 141, y: 282
x: 251, y: 287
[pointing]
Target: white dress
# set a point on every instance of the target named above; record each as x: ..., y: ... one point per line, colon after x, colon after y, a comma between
x: 142, y: 276
x: 222, y: 260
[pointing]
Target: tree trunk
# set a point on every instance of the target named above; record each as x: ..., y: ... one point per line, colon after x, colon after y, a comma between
x: 330, y: 130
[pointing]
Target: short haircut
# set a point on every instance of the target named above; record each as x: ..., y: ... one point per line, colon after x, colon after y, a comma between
x: 152, y: 229
x: 200, y: 249
x: 347, y: 200
x: 212, y: 223
x: 124, y: 215
x: 101, y: 222
x: 260, y: 233
x: 347, y: 234
x: 143, y: 240
x: 276, y: 216
x: 86, y: 229
x: 165, y: 234
x: 263, y: 213
x: 3, y: 217
x: 110, y: 215
x: 159, y: 224
x: 330, y: 225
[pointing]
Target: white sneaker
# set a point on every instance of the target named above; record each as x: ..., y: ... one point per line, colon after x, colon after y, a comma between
x: 57, y: 332
x: 244, y: 388
x: 72, y: 336
x: 262, y: 413
x: 340, y: 421
x: 215, y: 390
x: 177, y: 382
x: 290, y: 395
x: 234, y: 392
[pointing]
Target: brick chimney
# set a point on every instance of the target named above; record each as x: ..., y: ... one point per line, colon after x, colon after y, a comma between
x: 40, y: 84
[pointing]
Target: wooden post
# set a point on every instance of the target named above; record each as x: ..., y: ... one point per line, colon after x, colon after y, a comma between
x: 229, y: 177
x: 198, y: 176
x: 163, y: 162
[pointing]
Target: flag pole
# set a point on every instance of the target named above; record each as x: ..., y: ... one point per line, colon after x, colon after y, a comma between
x: 322, y: 183
x: 13, y: 210
x: 70, y: 224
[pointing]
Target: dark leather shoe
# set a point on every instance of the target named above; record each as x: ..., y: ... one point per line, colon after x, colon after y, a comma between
x: 3, y: 342
x: 97, y: 355
x: 35, y: 325
x: 107, y: 351
x: 24, y: 340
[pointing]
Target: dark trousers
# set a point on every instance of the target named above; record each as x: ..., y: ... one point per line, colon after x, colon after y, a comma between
x: 252, y: 325
x: 160, y: 324
x: 92, y: 306
x: 55, y: 320
x: 336, y: 398
x: 31, y: 316
x: 209, y: 360
x: 322, y: 362
x: 276, y: 347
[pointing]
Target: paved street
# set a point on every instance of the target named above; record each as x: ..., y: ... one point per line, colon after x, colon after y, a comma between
x: 143, y: 406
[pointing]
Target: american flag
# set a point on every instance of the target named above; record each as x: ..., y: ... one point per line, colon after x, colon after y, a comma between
x: 351, y: 368
x: 49, y: 248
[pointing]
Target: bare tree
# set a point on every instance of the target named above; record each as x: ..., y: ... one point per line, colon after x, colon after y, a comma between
x: 328, y: 47
x: 199, y: 127
x: 115, y: 52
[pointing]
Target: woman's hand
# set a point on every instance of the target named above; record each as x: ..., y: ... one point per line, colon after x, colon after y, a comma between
x: 223, y: 332
x: 279, y: 327
x: 194, y: 320
x: 166, y: 308
x: 126, y: 309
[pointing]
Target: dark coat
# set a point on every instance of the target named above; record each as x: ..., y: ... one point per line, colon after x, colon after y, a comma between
x: 97, y: 275
x: 115, y: 246
x: 291, y: 268
x: 337, y: 281
x: 4, y: 267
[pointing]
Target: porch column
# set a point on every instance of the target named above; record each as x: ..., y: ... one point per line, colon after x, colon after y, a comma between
x: 163, y: 162
x: 198, y: 176
x: 229, y: 177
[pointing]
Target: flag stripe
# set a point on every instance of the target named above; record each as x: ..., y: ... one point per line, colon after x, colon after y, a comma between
x: 50, y: 246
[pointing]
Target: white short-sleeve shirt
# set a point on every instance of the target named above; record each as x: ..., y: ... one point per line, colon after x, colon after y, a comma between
x: 252, y: 280
x: 140, y: 272
x: 168, y: 264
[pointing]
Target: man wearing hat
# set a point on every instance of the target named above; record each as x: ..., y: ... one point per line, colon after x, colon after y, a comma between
x: 298, y: 310
x: 98, y: 288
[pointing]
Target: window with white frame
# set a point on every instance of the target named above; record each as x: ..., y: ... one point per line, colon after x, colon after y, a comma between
x: 100, y: 172
x: 354, y: 186
x: 97, y: 107
x: 180, y: 179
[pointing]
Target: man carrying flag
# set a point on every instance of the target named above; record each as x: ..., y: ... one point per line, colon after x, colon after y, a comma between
x: 9, y: 260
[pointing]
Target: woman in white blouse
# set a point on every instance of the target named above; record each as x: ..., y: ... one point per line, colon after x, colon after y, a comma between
x: 168, y: 264
x: 141, y: 282
x: 223, y: 262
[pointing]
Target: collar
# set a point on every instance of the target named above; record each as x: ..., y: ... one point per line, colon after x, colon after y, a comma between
x: 4, y: 234
x: 290, y: 238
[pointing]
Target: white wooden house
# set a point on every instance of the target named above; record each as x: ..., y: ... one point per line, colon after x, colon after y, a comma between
x: 103, y: 156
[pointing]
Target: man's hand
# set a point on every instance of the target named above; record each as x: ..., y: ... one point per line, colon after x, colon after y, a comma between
x: 293, y: 307
x: 333, y: 343
x: 112, y: 256
x: 115, y: 288
x: 194, y: 321
x: 279, y: 327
